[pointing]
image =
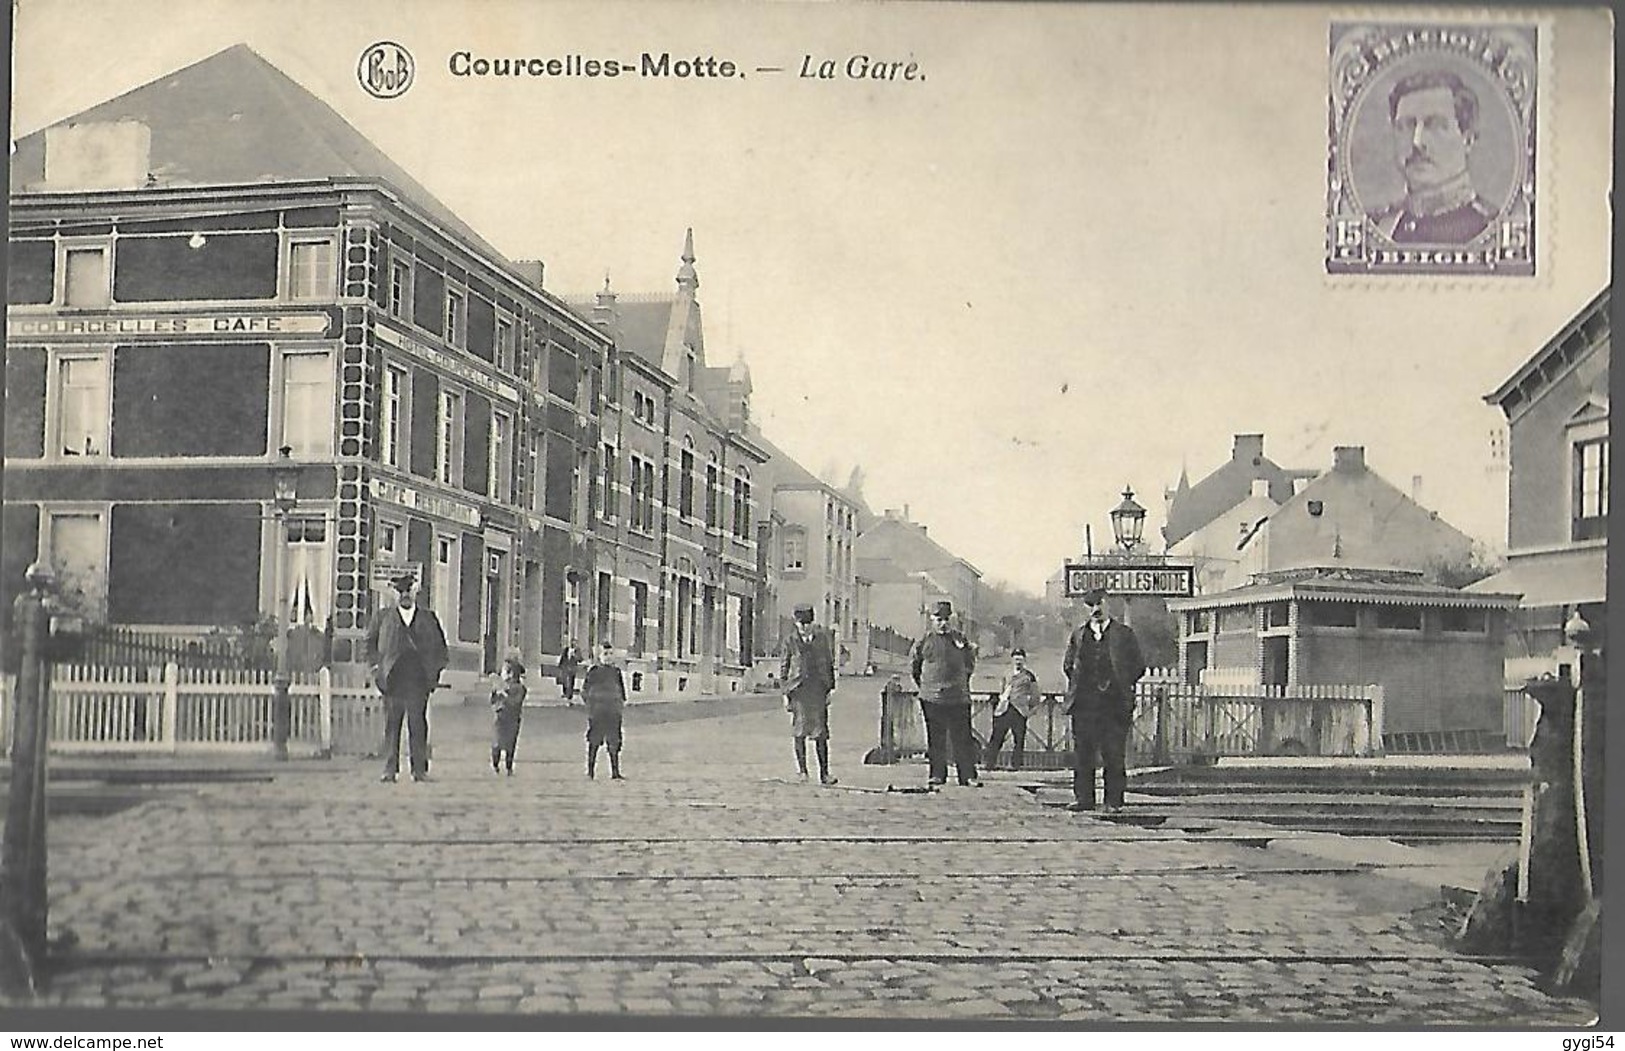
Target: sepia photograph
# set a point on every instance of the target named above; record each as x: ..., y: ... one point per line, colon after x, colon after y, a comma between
x: 557, y: 515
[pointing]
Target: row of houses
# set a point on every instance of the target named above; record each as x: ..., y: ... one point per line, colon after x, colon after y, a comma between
x: 214, y: 277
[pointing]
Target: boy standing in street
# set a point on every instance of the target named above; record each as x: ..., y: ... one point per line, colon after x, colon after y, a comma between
x: 604, y: 691
x: 1016, y: 702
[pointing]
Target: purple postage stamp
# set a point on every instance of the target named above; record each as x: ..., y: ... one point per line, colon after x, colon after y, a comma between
x: 1431, y: 168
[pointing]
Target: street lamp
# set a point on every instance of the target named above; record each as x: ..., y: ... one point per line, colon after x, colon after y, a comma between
x: 1128, y: 521
x: 285, y: 495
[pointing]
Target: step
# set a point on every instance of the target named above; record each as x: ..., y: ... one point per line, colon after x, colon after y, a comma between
x: 1443, y: 792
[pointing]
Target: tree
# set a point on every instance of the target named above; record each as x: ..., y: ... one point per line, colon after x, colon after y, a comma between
x: 1461, y: 570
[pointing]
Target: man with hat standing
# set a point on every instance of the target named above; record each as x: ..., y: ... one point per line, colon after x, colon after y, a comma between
x: 807, y: 670
x: 941, y: 664
x: 1103, y: 664
x: 407, y: 650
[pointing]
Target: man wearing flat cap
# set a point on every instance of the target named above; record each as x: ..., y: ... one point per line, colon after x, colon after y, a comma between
x: 941, y: 664
x: 407, y: 650
x: 1103, y: 664
x: 807, y: 670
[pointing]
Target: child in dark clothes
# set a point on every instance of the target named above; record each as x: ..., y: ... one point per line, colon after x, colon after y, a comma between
x: 507, y: 706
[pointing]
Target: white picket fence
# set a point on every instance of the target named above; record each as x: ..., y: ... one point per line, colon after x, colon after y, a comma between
x: 176, y: 710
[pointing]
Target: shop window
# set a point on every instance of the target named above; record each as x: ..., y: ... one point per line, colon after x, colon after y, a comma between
x: 307, y: 581
x: 78, y: 552
x: 386, y: 541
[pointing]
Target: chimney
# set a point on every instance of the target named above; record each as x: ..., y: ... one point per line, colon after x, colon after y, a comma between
x: 1261, y: 487
x: 1298, y: 484
x: 1416, y: 488
x: 101, y: 155
x: 530, y: 269
x: 1349, y: 459
x: 1249, y: 448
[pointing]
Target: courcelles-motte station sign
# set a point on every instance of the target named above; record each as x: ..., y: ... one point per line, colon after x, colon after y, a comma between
x: 1130, y: 578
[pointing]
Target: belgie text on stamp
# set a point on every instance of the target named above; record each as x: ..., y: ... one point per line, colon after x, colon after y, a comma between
x: 1431, y: 168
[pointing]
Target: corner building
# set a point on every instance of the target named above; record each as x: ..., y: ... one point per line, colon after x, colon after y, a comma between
x: 216, y: 266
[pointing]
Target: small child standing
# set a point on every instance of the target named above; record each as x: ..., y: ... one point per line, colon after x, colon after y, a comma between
x: 507, y: 707
x: 604, y: 691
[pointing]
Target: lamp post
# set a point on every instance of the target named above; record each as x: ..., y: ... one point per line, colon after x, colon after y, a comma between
x: 1128, y: 522
x: 285, y: 495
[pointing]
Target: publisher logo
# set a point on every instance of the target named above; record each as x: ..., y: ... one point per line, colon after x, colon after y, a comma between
x: 386, y: 70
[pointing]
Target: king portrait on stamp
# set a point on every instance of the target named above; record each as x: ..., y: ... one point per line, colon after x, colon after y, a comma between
x: 1432, y: 152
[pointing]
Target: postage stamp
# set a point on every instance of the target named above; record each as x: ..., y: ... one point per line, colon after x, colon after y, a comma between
x: 1431, y: 165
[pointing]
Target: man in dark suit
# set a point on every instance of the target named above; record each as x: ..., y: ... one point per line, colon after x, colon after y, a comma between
x: 407, y: 650
x: 1103, y: 663
x: 807, y: 670
x: 941, y: 664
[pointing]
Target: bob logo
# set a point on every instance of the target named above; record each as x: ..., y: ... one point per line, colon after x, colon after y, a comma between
x: 386, y: 70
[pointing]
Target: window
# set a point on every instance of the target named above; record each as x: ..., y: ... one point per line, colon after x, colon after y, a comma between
x: 1469, y: 621
x: 649, y: 522
x: 711, y: 495
x: 640, y: 612
x: 445, y: 566
x: 533, y: 472
x: 685, y: 482
x: 307, y: 582
x: 637, y: 494
x: 1329, y: 614
x: 311, y: 268
x: 505, y: 345
x: 390, y: 415
x: 637, y: 405
x: 742, y: 507
x: 78, y: 554
x: 307, y: 405
x: 456, y: 330
x: 1399, y: 618
x: 386, y: 543
x: 400, y: 289
x: 501, y: 480
x: 684, y: 617
x: 611, y: 499
x: 1590, y: 489
x: 1276, y: 615
x: 82, y: 400
x: 450, y: 425
x: 602, y: 604
x: 795, y: 551
x: 84, y: 281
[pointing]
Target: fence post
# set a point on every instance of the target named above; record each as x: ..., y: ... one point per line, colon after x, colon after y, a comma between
x: 1159, y: 745
x: 1374, y: 718
x: 169, y: 731
x: 324, y: 718
x: 23, y: 901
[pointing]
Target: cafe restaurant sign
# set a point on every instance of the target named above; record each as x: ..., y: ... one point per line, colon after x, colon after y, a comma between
x: 1130, y: 578
x: 165, y: 326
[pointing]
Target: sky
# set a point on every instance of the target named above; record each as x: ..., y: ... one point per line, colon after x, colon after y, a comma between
x: 1081, y: 253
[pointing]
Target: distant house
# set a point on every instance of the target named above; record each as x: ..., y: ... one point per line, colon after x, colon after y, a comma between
x: 1215, y: 550
x: 1193, y: 507
x: 942, y: 574
x: 1349, y: 516
x: 1556, y: 405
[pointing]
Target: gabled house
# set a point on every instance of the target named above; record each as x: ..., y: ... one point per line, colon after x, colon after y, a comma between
x: 940, y: 573
x: 1556, y: 406
x: 1349, y: 516
x: 1193, y: 507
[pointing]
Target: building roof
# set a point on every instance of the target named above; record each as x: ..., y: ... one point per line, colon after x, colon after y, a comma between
x: 1565, y: 578
x: 1190, y: 508
x: 788, y: 473
x: 882, y: 571
x: 1335, y: 584
x: 1572, y: 341
x: 234, y: 118
x: 915, y: 533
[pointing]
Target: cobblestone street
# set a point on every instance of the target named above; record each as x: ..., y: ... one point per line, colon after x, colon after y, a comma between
x: 711, y: 884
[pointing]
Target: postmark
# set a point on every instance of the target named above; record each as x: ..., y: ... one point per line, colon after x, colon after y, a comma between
x: 1432, y: 149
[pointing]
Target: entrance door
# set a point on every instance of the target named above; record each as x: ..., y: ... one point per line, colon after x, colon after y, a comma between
x: 493, y: 612
x: 1276, y: 671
